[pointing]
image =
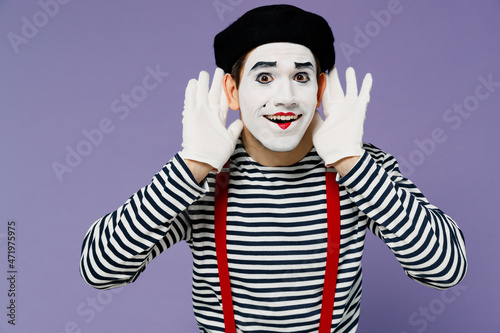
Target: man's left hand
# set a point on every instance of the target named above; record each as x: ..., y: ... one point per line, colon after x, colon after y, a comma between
x: 340, y: 136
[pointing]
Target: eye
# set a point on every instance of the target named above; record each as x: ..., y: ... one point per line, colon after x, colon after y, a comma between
x: 264, y: 78
x: 301, y: 77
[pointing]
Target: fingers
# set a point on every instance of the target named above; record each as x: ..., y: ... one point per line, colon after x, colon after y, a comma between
x: 351, y: 85
x: 214, y: 95
x: 333, y: 92
x: 202, y: 89
x: 336, y: 87
x: 366, y: 87
x: 190, y: 95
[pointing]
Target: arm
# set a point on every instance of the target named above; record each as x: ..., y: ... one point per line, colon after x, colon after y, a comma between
x: 428, y: 243
x: 118, y: 246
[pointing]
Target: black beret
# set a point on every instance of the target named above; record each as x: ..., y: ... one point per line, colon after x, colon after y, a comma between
x: 275, y: 23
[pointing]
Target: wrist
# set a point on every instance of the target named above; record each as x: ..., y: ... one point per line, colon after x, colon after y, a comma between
x: 344, y: 165
x: 199, y: 170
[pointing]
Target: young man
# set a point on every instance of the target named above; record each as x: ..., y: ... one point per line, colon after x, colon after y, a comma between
x: 276, y: 237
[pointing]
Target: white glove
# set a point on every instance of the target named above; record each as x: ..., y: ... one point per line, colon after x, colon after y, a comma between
x: 204, y: 134
x: 340, y: 135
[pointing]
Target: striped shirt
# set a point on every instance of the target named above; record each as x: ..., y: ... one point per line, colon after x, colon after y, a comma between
x: 276, y: 238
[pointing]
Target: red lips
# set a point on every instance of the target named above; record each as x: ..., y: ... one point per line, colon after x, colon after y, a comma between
x: 284, y: 114
x: 284, y: 125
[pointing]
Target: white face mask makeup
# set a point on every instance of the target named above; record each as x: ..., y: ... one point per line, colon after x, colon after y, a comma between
x: 278, y: 94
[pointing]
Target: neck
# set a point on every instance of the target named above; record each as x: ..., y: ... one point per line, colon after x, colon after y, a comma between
x: 270, y: 158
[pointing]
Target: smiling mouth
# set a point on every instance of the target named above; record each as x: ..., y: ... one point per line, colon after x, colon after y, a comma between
x: 283, y: 120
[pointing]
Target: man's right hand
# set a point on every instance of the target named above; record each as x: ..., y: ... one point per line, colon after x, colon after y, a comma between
x: 205, y: 138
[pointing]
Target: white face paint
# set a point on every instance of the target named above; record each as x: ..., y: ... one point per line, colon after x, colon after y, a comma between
x: 278, y: 94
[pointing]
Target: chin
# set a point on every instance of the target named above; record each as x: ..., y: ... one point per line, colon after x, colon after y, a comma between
x: 281, y: 147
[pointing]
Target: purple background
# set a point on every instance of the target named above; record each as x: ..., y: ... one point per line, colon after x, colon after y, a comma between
x: 65, y: 77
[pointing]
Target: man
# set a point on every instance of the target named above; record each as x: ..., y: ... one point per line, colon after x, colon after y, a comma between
x: 277, y: 246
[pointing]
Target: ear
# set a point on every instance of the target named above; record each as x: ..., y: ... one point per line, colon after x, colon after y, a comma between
x: 321, y: 88
x: 231, y: 92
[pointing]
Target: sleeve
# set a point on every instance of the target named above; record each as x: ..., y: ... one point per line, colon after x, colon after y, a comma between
x: 117, y: 247
x: 427, y: 243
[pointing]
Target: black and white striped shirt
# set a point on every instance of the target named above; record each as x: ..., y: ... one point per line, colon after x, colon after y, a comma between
x: 276, y: 238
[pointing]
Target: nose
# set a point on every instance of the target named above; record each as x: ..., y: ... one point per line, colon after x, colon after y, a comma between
x: 285, y: 94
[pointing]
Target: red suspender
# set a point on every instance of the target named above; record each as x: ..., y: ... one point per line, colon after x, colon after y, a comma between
x: 332, y: 257
x: 220, y: 218
x: 332, y: 252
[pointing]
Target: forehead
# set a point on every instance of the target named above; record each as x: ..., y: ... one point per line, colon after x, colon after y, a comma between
x: 282, y: 53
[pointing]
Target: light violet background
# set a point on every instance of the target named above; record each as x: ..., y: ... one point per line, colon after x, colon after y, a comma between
x: 64, y: 79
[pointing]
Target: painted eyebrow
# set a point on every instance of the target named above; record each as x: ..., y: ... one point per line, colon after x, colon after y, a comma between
x: 261, y: 64
x: 299, y: 65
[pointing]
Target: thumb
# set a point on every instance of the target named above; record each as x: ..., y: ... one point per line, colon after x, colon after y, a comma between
x: 316, y: 123
x: 235, y: 129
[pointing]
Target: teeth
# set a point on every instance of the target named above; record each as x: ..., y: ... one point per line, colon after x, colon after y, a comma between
x: 282, y: 118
